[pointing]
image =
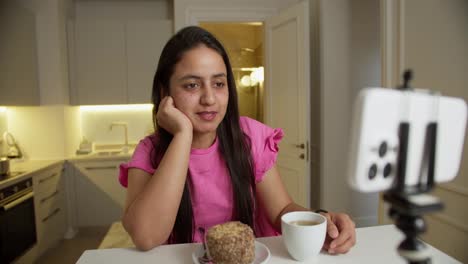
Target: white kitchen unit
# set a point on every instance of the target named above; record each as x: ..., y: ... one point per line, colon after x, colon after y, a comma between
x: 50, y: 207
x: 19, y: 84
x: 99, y: 197
x: 113, y: 61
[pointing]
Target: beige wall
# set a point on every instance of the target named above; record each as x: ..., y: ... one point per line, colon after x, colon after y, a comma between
x: 435, y: 46
x: 236, y: 37
x: 335, y: 99
x: 41, y: 133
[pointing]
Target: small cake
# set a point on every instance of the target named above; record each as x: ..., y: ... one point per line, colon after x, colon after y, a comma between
x: 231, y: 243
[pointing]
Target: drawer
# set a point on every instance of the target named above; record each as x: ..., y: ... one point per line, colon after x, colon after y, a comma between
x: 48, y: 179
x: 51, y: 230
x: 46, y: 202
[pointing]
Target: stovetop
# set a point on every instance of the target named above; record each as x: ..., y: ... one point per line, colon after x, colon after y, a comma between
x: 10, y: 175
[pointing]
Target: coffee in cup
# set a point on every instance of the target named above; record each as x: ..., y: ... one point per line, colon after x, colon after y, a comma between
x: 304, y: 223
x: 303, y: 234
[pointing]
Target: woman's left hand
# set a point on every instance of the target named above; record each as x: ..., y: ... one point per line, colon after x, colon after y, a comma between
x: 341, y: 233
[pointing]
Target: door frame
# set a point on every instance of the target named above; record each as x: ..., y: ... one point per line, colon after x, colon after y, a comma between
x: 188, y: 13
x: 209, y: 13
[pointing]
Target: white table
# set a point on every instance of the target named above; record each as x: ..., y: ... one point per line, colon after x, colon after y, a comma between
x: 374, y: 245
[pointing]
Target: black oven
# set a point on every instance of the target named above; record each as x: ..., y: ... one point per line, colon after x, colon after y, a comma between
x: 17, y: 220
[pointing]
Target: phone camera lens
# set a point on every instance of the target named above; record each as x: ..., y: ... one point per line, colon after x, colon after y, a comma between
x: 383, y: 149
x: 372, y: 171
x: 387, y: 170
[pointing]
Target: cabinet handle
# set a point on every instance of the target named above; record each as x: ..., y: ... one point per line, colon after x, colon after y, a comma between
x: 47, y: 178
x: 50, y: 196
x: 51, y: 215
x: 101, y: 168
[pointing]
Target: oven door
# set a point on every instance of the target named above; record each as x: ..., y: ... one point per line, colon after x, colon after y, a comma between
x: 17, y: 227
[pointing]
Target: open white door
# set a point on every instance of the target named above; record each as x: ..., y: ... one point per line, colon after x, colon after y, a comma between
x: 287, y: 95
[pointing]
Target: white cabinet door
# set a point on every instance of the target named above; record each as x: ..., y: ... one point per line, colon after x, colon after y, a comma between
x: 100, y: 62
x: 145, y: 41
x: 19, y: 84
x: 114, y: 61
x: 100, y: 198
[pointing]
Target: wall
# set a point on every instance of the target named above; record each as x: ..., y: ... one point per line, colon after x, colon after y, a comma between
x: 335, y: 97
x: 41, y: 133
x: 349, y: 61
x: 364, y: 68
x: 54, y: 132
x: 435, y: 45
x: 242, y: 41
x: 95, y: 124
x: 3, y: 128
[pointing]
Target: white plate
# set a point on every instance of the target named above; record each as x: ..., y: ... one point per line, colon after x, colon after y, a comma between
x: 262, y: 254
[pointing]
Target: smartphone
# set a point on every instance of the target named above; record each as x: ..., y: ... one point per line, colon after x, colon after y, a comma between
x: 374, y: 139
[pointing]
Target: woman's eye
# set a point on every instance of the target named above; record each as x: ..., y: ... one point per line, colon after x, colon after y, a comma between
x: 191, y: 85
x: 219, y: 84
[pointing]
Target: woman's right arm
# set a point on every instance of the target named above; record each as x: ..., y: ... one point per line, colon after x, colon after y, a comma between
x: 153, y: 200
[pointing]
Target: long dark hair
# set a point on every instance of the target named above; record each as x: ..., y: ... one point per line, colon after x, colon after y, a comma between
x: 234, y: 145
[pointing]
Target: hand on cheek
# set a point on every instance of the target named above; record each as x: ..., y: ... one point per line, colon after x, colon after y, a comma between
x: 172, y: 119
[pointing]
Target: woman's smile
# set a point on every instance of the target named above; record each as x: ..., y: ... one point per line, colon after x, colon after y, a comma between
x: 207, y: 115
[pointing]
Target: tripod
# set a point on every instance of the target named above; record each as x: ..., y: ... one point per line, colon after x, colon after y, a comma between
x: 409, y: 203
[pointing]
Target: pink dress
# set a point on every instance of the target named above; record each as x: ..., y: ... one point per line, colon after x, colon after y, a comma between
x: 211, y: 192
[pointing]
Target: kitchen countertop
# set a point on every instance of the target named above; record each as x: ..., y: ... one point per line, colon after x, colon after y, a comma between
x: 98, y: 157
x: 28, y: 167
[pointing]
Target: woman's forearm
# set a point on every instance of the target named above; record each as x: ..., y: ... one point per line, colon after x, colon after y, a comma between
x: 150, y: 217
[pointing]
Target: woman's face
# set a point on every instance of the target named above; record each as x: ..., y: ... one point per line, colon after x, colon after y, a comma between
x: 199, y: 88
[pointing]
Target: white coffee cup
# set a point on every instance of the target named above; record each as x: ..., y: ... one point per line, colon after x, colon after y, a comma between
x: 303, y: 241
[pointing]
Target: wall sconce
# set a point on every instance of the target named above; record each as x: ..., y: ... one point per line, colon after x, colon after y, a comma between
x: 257, y: 76
x: 246, y: 81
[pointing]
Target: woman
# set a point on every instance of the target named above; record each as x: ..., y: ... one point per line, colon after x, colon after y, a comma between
x: 205, y: 165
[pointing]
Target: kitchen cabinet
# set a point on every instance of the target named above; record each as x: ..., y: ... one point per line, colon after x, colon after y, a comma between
x: 50, y: 207
x: 19, y: 84
x: 113, y: 61
x: 100, y: 198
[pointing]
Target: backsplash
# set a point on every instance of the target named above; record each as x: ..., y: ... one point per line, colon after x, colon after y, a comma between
x: 49, y: 132
x: 96, y: 121
x: 45, y: 132
x: 3, y: 128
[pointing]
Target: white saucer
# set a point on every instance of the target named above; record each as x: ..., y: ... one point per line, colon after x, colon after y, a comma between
x: 262, y: 254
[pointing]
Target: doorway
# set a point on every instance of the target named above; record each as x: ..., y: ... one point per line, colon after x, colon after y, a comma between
x: 243, y: 42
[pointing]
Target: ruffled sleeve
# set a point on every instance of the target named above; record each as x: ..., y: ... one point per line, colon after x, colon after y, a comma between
x: 264, y: 143
x: 141, y: 159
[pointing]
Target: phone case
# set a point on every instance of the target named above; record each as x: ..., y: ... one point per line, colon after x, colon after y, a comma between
x: 374, y: 141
